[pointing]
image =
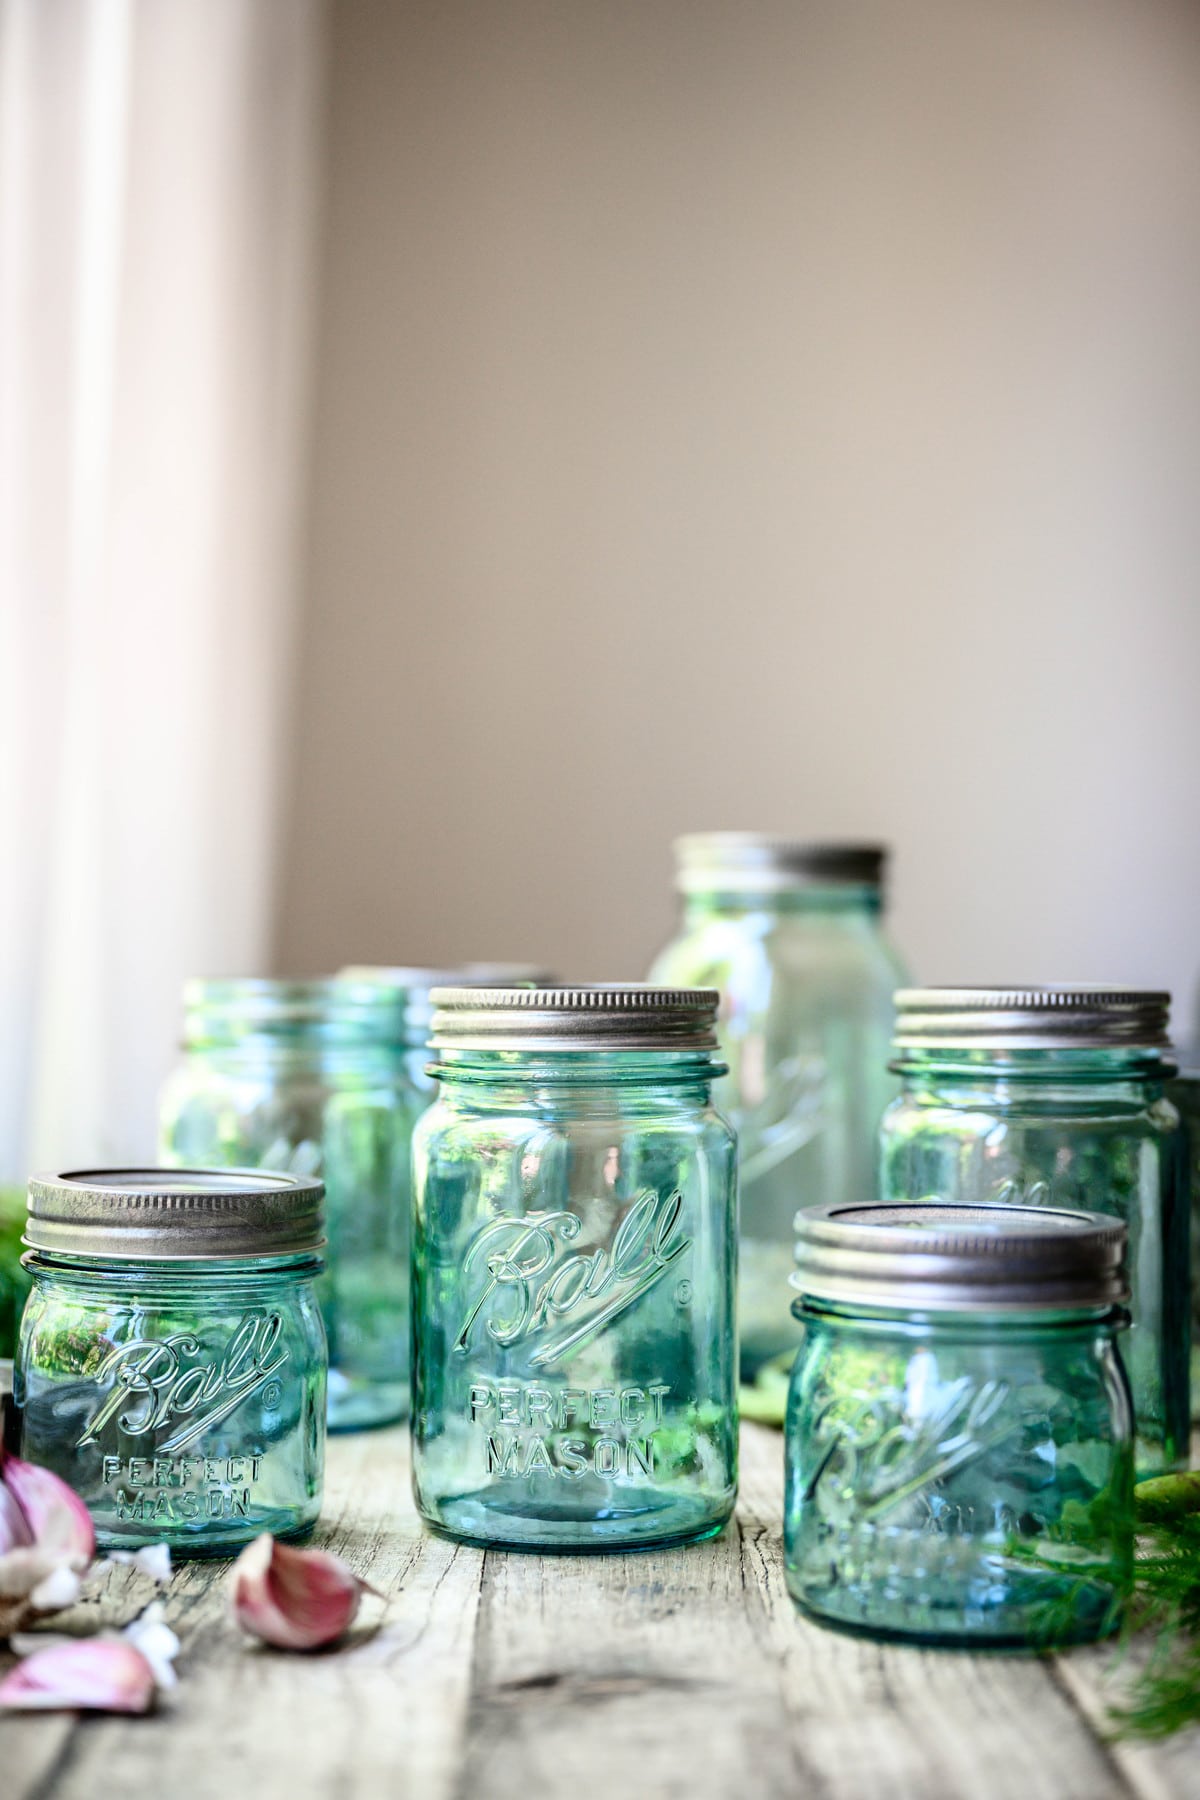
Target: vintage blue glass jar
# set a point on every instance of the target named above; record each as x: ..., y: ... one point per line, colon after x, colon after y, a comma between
x: 959, y: 1462
x: 414, y: 987
x: 171, y: 1360
x: 574, y: 1259
x: 1184, y: 1094
x: 791, y: 936
x: 311, y: 1077
x: 1056, y: 1097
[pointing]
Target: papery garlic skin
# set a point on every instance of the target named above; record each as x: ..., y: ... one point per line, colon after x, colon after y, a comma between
x: 153, y: 1638
x: 46, y: 1543
x: 153, y: 1560
x: 294, y: 1599
x: 100, y: 1674
x: 57, y: 1519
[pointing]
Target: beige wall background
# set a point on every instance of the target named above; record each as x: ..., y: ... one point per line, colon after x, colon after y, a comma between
x: 767, y: 415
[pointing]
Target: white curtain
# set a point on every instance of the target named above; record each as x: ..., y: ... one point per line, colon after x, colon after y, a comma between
x: 157, y: 192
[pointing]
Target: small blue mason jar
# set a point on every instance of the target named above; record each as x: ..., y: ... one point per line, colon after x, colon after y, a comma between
x: 574, y: 1260
x: 959, y: 1460
x: 1058, y: 1096
x: 171, y: 1360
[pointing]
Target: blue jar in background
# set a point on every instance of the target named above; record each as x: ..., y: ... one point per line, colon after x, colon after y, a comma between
x: 171, y: 1359
x: 1183, y: 1091
x: 574, y: 1261
x: 1057, y: 1097
x: 413, y: 987
x: 311, y: 1077
x: 791, y: 935
x: 959, y: 1435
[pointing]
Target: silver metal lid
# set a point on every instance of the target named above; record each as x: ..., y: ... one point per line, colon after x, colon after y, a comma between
x: 164, y: 1215
x: 621, y: 1016
x: 1046, y: 1018
x: 415, y: 985
x: 929, y: 1255
x: 735, y: 862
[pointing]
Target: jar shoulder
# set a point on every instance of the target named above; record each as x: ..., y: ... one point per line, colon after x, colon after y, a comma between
x: 789, y: 954
x: 495, y: 1127
x: 929, y: 1115
x: 202, y: 1088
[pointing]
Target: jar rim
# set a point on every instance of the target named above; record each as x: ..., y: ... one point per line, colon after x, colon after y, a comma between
x: 256, y: 1267
x: 413, y: 986
x: 326, y: 1009
x: 879, y: 1312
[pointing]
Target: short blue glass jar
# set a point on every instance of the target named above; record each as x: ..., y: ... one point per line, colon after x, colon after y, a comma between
x: 171, y: 1361
x: 574, y: 1261
x: 959, y: 1436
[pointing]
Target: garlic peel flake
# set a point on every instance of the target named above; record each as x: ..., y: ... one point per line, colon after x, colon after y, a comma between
x: 294, y: 1599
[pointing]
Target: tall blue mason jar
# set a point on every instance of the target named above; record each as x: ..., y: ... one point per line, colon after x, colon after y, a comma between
x: 311, y: 1077
x: 790, y: 933
x: 171, y: 1360
x: 574, y: 1258
x: 1056, y: 1097
x: 958, y: 1445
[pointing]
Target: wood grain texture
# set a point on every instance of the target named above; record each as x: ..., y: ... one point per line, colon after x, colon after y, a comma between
x: 653, y: 1675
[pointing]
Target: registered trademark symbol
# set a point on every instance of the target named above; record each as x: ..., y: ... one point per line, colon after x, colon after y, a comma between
x: 683, y: 1293
x: 272, y: 1394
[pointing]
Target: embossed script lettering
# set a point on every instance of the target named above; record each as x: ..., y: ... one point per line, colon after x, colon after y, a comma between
x: 531, y: 1279
x: 878, y: 1455
x: 156, y: 1383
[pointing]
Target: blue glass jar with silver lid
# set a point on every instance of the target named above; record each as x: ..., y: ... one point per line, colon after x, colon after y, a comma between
x: 959, y: 1435
x: 1058, y: 1097
x: 171, y: 1359
x: 574, y: 1260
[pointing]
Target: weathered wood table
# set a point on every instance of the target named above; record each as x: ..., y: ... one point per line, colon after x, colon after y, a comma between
x: 493, y: 1675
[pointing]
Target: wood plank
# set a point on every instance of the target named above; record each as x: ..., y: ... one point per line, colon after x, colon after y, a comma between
x: 687, y: 1672
x: 631, y: 1674
x: 380, y: 1715
x: 894, y: 1722
x: 1096, y: 1678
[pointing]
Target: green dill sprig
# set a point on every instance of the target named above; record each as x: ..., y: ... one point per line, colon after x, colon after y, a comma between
x: 1165, y: 1607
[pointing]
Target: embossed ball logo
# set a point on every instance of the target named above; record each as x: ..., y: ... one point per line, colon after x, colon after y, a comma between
x: 534, y: 1280
x: 178, y: 1387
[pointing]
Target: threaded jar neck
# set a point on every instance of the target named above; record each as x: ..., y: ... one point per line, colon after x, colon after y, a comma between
x: 580, y: 1070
